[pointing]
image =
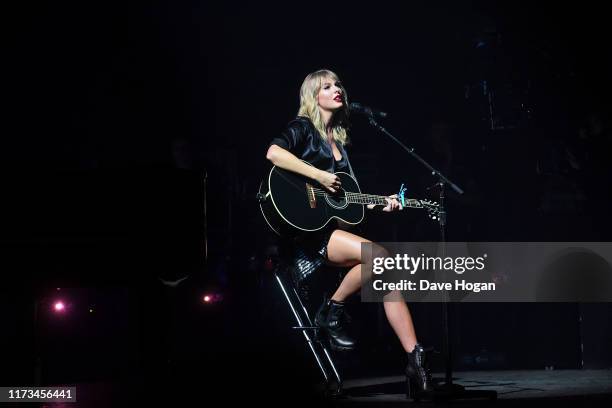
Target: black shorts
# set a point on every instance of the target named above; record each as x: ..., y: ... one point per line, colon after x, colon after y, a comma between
x: 310, y: 253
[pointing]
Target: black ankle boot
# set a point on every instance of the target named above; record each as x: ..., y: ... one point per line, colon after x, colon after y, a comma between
x: 418, y: 377
x: 332, y: 318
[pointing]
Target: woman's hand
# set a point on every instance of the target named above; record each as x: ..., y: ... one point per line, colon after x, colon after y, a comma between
x: 328, y: 180
x: 392, y: 205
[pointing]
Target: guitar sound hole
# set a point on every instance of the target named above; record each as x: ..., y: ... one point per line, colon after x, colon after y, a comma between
x: 337, y: 200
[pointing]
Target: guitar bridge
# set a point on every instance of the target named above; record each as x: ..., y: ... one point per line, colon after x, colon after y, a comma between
x: 312, y: 200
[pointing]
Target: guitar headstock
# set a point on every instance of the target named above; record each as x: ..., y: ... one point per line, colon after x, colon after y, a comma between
x: 432, y: 208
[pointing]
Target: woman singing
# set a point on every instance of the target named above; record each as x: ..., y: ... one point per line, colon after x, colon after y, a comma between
x: 318, y: 136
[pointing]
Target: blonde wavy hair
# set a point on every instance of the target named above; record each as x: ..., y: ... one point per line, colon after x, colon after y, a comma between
x: 309, y: 106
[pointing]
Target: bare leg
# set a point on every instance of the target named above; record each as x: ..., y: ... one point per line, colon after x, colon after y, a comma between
x: 344, y: 249
x: 400, y: 320
x: 349, y: 285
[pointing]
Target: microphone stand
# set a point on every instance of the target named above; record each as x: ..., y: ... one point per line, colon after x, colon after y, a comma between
x: 448, y: 390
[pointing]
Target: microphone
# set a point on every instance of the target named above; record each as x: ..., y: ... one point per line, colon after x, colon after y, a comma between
x: 364, y: 110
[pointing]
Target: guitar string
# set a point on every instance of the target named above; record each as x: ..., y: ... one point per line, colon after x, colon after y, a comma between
x: 352, y: 194
x: 318, y: 190
x: 380, y: 199
x: 412, y: 202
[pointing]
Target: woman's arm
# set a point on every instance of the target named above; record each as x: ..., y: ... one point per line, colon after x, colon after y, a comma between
x: 288, y: 161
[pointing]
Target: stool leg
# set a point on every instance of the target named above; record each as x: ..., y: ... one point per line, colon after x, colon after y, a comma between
x: 303, y: 327
x: 330, y: 361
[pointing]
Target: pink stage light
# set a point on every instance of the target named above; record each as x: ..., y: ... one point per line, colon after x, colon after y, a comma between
x: 59, y: 306
x: 210, y: 298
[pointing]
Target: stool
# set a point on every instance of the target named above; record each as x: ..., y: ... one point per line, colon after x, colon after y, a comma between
x: 331, y: 377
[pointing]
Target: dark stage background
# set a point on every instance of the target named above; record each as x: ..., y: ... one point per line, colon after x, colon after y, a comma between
x: 135, y: 140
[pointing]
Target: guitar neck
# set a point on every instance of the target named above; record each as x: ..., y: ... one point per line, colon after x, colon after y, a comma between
x: 360, y: 198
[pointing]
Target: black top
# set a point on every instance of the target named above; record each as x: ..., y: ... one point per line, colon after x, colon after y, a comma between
x: 341, y: 165
x: 303, y: 140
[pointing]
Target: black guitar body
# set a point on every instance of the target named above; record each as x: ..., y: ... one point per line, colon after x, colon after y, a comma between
x: 292, y: 203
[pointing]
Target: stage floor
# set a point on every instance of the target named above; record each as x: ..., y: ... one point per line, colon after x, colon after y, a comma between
x: 557, y: 388
x: 513, y: 387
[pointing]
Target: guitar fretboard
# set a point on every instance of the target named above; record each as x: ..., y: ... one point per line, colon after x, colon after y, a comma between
x: 360, y: 198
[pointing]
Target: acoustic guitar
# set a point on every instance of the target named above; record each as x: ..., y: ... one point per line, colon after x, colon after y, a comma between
x: 292, y: 203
